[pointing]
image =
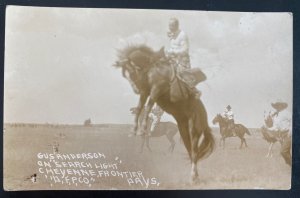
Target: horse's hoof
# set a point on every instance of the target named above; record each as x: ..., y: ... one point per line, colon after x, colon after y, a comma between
x: 131, y: 134
x: 194, y: 179
x: 140, y: 134
x: 194, y: 176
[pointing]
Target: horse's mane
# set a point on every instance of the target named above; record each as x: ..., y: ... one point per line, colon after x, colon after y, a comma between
x: 126, y: 51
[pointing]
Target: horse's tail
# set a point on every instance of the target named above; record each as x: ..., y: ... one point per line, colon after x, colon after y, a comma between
x: 207, y: 144
x: 247, y: 131
x: 241, y: 128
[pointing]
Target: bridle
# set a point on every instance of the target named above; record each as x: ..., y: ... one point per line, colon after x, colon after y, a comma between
x: 134, y: 70
x: 136, y: 74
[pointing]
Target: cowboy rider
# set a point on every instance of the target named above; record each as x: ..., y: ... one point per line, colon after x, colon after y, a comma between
x: 282, y: 124
x: 229, y: 116
x: 178, y: 51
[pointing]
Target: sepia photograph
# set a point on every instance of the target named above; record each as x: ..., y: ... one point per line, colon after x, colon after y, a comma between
x: 140, y: 99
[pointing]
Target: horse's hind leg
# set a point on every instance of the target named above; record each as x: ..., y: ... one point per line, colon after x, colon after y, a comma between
x: 142, y: 144
x: 242, y: 142
x: 194, y: 150
x: 172, y: 142
x: 147, y: 143
x: 245, y: 142
x: 269, y: 154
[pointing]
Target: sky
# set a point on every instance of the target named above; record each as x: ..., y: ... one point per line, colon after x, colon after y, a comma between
x: 58, y: 61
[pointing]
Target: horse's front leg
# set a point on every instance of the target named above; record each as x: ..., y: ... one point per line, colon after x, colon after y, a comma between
x: 194, y: 137
x: 147, y: 143
x: 153, y: 96
x: 142, y: 101
x: 148, y: 109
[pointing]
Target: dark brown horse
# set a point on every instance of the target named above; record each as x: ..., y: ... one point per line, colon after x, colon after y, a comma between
x: 239, y: 130
x: 168, y: 129
x: 151, y: 79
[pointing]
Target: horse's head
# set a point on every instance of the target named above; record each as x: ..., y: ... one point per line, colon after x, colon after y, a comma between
x: 216, y: 119
x: 135, y: 62
x: 129, y: 72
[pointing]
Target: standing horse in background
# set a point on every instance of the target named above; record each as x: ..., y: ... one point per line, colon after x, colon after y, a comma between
x: 167, y: 129
x: 239, y: 129
x: 152, y: 79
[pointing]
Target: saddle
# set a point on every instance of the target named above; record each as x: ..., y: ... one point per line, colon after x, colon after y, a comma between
x: 179, y: 90
x: 192, y: 76
x: 183, y: 83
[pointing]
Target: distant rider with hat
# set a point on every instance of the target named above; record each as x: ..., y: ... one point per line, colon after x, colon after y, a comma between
x: 282, y: 124
x: 229, y: 116
x: 281, y: 118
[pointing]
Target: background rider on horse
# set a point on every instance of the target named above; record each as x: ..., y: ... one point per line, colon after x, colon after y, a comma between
x: 279, y: 124
x: 281, y: 118
x: 229, y: 116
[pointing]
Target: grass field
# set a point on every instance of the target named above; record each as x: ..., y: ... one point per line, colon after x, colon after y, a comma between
x: 229, y: 168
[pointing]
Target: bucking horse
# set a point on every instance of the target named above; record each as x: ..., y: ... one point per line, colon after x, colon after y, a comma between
x: 153, y: 79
